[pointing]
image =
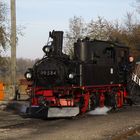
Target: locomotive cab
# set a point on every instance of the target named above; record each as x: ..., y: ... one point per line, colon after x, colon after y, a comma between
x: 102, y: 62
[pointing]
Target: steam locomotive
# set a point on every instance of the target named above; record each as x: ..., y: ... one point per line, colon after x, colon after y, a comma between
x: 95, y: 77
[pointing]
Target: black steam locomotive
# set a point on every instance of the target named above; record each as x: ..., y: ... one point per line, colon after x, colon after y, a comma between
x: 95, y: 77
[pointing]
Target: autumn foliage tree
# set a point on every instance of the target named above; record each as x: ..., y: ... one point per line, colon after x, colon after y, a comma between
x: 3, y: 27
x: 127, y: 33
x: 77, y: 29
x: 3, y: 40
x: 5, y: 43
x: 99, y: 29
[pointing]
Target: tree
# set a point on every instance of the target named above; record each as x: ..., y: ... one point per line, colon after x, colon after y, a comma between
x: 77, y: 29
x: 22, y: 66
x: 138, y: 6
x: 3, y: 27
x: 99, y: 29
x: 130, y: 22
x: 4, y: 41
x: 5, y: 38
x: 127, y: 33
x: 130, y: 34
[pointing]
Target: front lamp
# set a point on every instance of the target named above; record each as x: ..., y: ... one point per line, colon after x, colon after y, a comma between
x: 47, y: 48
x: 29, y: 75
x: 71, y: 76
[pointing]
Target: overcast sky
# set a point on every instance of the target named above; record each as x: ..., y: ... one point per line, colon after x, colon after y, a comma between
x: 41, y: 16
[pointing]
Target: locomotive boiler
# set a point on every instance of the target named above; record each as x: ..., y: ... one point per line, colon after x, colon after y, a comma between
x: 95, y: 77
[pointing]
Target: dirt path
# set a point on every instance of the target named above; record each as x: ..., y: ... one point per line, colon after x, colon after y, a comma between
x: 86, y: 127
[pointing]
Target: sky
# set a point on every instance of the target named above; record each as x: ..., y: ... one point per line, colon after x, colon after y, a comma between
x: 38, y: 17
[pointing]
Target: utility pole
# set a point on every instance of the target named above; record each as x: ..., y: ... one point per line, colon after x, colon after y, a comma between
x: 13, y: 47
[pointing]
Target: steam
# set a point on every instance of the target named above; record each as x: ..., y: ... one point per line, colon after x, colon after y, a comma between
x: 100, y: 111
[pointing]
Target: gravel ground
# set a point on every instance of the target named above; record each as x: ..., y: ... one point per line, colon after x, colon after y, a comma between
x: 86, y: 127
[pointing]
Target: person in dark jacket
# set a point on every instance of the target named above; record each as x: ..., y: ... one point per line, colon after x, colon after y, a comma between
x: 17, y: 94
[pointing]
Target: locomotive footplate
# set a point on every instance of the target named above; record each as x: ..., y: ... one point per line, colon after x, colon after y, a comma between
x: 53, y: 112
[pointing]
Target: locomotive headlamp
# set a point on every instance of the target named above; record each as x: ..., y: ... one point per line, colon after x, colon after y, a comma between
x: 47, y: 48
x: 29, y: 74
x: 131, y: 59
x: 71, y: 76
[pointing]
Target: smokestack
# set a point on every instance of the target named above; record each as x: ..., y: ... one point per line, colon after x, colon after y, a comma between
x: 57, y: 37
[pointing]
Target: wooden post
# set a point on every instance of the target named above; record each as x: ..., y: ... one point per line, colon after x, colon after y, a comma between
x: 13, y: 46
